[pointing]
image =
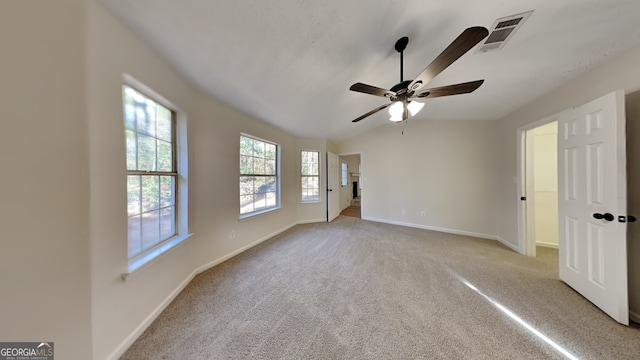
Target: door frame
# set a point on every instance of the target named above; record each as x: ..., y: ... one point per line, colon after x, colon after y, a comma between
x: 361, y: 171
x: 329, y: 190
x: 524, y: 181
x: 342, y: 188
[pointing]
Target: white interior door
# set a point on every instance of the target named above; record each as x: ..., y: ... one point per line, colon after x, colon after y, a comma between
x: 592, y: 203
x: 333, y: 186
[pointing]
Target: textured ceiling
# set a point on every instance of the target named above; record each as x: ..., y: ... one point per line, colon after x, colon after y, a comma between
x: 291, y: 62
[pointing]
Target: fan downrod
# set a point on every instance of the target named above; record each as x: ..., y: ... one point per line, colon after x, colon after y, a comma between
x: 401, y: 44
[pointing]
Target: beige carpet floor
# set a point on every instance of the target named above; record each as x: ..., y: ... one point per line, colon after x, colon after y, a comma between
x: 354, y: 289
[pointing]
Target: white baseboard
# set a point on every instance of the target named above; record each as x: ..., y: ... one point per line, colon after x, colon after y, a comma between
x: 129, y: 340
x: 219, y: 260
x: 445, y: 230
x: 313, y: 221
x: 547, y: 245
x: 507, y: 244
x: 634, y: 316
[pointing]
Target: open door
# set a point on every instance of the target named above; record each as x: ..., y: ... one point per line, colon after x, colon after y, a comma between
x: 592, y: 203
x: 333, y: 186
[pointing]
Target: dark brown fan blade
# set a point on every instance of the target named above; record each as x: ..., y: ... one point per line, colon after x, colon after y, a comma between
x: 373, y: 90
x: 463, y: 43
x: 382, y: 107
x: 463, y: 88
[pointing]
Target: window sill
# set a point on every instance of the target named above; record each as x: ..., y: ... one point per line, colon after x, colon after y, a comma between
x: 310, y: 202
x: 142, y: 262
x: 257, y: 213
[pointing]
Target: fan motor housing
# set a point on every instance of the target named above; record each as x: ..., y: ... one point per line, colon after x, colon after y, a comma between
x: 401, y: 88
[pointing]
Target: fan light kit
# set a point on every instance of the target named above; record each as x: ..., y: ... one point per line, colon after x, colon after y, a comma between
x: 397, y: 110
x: 404, y: 94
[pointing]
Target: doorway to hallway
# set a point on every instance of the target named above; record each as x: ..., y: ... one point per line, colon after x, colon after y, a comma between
x: 351, y: 184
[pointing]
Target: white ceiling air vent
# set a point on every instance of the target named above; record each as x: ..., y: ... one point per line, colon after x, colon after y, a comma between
x: 503, y: 30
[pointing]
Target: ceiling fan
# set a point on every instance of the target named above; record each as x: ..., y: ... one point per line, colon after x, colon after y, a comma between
x: 404, y: 95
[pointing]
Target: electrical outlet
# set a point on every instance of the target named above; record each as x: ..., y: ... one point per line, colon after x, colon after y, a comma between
x: 404, y: 211
x: 423, y: 213
x: 232, y: 234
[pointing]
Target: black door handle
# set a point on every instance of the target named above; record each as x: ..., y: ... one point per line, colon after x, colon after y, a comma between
x: 606, y: 216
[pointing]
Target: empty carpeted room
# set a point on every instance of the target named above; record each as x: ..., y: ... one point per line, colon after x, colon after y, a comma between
x: 173, y: 177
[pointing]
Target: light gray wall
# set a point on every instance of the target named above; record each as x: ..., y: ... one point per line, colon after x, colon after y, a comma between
x: 622, y: 72
x: 214, y: 165
x: 44, y: 192
x: 444, y: 168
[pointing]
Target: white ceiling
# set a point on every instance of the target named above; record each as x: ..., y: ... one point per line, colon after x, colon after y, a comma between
x: 291, y: 62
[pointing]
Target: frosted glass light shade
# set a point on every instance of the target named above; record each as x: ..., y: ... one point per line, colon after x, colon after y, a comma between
x: 396, y: 118
x: 414, y: 107
x: 396, y: 110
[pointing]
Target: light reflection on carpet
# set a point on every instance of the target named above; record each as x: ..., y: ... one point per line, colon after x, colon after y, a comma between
x: 524, y: 324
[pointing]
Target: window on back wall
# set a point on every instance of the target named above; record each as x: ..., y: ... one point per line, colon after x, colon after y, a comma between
x: 344, y: 180
x: 310, y: 176
x: 259, y: 176
x: 152, y: 177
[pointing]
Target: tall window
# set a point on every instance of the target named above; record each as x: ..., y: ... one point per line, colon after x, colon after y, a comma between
x: 151, y: 172
x: 259, y: 176
x: 310, y: 176
x: 344, y: 181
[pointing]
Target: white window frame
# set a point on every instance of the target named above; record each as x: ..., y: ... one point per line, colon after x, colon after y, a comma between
x: 344, y: 171
x: 180, y: 153
x: 317, y: 176
x: 277, y: 204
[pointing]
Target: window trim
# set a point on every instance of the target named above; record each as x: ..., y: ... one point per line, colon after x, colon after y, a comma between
x: 318, y: 176
x: 278, y: 176
x: 344, y: 173
x: 180, y: 158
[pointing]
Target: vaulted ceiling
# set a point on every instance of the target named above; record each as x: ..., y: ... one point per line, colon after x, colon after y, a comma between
x: 290, y: 62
